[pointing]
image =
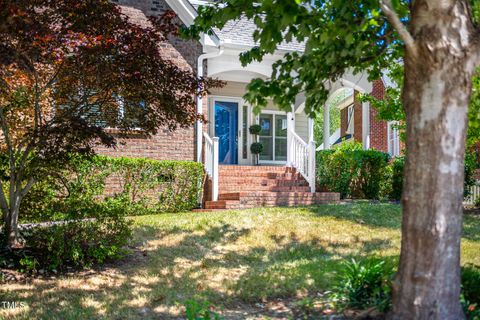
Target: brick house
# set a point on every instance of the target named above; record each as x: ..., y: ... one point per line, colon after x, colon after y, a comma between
x: 287, y: 172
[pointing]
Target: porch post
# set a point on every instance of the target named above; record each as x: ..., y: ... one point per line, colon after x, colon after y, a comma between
x: 326, y: 126
x: 366, y: 125
x: 290, y: 129
x: 215, y: 169
x: 310, y: 130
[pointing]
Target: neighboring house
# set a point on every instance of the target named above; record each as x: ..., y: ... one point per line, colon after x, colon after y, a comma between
x: 287, y: 172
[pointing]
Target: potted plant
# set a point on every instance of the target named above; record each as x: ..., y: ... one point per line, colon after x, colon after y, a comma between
x: 256, y: 148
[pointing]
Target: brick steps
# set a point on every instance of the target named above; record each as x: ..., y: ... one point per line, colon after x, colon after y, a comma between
x: 242, y: 187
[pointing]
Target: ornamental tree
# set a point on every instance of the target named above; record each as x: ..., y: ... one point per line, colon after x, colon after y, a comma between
x: 69, y: 70
x: 439, y: 44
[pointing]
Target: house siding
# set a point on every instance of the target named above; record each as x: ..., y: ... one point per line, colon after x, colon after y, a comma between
x: 165, y: 144
x: 301, y: 125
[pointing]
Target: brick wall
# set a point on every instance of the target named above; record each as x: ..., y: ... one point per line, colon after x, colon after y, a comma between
x: 165, y: 145
x: 357, y: 118
x: 378, y: 128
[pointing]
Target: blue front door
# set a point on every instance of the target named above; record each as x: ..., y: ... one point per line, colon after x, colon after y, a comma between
x: 226, y: 128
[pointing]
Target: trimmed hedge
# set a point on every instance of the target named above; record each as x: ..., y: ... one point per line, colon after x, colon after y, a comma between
x: 137, y: 185
x: 351, y: 171
x: 370, y: 174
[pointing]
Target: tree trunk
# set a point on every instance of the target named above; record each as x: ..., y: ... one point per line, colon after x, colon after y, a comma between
x: 11, y: 223
x: 436, y: 96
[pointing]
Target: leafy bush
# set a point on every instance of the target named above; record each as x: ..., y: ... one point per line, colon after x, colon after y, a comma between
x: 200, y: 311
x: 398, y: 165
x: 351, y: 171
x: 77, y: 243
x: 134, y: 185
x: 365, y: 284
x: 471, y: 283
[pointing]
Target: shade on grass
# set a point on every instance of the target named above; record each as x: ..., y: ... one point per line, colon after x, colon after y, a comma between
x: 232, y: 258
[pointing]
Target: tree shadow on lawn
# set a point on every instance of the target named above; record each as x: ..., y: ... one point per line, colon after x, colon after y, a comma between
x: 372, y: 214
x: 384, y: 215
x: 175, y: 265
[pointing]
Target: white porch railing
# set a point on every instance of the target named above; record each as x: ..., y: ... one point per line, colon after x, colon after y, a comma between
x: 474, y: 194
x: 301, y: 155
x: 211, y: 162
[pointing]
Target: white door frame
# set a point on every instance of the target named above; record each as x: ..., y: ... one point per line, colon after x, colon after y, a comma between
x: 240, y: 103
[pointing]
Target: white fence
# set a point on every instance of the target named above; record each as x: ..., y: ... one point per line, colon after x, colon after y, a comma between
x: 474, y: 194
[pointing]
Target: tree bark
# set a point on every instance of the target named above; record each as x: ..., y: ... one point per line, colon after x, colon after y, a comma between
x: 11, y: 224
x: 436, y: 96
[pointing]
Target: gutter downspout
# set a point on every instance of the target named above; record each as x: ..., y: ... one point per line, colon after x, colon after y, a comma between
x: 199, y: 125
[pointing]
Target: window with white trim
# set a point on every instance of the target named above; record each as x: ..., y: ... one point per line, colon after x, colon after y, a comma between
x: 393, y: 138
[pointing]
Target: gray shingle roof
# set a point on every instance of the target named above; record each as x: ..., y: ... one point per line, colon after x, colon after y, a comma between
x: 240, y: 32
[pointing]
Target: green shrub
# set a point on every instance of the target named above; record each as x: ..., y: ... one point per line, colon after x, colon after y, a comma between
x: 351, y: 171
x: 397, y: 167
x: 77, y: 243
x: 365, y: 284
x: 471, y: 283
x: 471, y: 164
x: 134, y: 185
x: 196, y: 310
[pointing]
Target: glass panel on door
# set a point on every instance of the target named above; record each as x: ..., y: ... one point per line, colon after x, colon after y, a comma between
x: 266, y: 136
x: 280, y: 138
x: 226, y: 128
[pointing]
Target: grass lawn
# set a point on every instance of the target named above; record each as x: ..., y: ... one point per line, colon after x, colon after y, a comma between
x: 252, y: 262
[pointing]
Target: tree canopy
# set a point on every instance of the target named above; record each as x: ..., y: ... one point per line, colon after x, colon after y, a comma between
x: 339, y: 36
x: 72, y: 70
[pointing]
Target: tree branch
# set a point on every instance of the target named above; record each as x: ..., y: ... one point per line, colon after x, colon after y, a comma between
x: 393, y: 18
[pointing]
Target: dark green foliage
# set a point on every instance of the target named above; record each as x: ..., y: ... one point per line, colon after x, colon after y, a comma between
x: 79, y: 243
x: 397, y: 166
x: 351, y: 171
x: 471, y: 283
x: 256, y: 148
x: 365, y: 284
x: 200, y: 311
x: 255, y: 129
x: 137, y: 186
x: 471, y: 164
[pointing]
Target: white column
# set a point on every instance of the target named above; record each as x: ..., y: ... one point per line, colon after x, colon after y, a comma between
x: 290, y: 129
x: 215, y: 169
x: 326, y: 127
x: 366, y: 125
x: 312, y: 165
x: 311, y: 136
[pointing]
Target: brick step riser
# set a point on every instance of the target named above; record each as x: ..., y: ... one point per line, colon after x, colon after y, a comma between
x: 255, y: 168
x: 262, y: 188
x: 265, y: 204
x: 261, y: 175
x: 279, y: 183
